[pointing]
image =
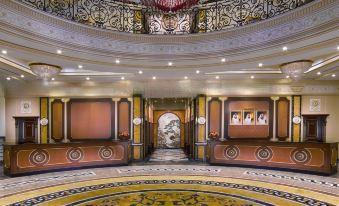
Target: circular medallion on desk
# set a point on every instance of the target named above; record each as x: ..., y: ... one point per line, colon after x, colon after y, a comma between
x: 296, y: 120
x: 44, y: 121
x: 231, y: 152
x: 106, y: 153
x: 74, y: 154
x: 137, y: 121
x: 263, y: 153
x: 39, y: 157
x: 301, y: 156
x: 201, y: 120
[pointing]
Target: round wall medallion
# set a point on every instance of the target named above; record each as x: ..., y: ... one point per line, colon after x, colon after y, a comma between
x: 263, y: 153
x: 44, y: 121
x: 300, y: 156
x: 137, y: 121
x: 106, y: 153
x: 201, y: 120
x: 296, y: 120
x: 74, y: 154
x: 39, y: 157
x: 231, y: 152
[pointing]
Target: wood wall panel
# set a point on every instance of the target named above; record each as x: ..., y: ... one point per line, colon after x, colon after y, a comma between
x: 124, y: 116
x: 214, y: 115
x: 90, y: 119
x: 57, y: 108
x: 282, y: 118
x: 249, y: 131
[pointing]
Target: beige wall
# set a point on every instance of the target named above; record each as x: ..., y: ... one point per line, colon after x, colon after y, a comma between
x: 13, y: 109
x: 2, y: 111
x: 329, y: 105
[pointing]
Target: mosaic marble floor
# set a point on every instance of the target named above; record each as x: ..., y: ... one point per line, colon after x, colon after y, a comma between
x: 168, y: 155
x: 170, y: 185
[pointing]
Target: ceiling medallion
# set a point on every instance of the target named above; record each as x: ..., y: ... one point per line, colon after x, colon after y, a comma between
x: 44, y: 71
x: 296, y: 69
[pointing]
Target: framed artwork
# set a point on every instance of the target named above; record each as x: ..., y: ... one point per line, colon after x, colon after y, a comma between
x: 261, y: 117
x: 26, y: 107
x: 248, y: 117
x: 315, y: 105
x: 236, y: 117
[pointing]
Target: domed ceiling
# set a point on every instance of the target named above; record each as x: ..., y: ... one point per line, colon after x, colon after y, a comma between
x: 243, y: 60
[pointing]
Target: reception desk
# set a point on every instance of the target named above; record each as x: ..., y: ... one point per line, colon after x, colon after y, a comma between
x: 32, y: 158
x: 307, y: 157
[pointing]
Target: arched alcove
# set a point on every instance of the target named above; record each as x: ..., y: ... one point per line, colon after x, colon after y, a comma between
x: 168, y: 131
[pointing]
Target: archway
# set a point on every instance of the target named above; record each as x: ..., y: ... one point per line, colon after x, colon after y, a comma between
x: 168, y: 131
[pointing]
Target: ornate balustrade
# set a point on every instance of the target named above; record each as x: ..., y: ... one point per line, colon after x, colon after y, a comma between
x: 208, y: 16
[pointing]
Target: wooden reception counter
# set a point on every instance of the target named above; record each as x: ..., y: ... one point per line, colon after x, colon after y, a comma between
x: 309, y: 157
x: 32, y: 158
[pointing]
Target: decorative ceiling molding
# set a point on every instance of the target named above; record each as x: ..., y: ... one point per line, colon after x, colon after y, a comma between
x: 16, y: 65
x: 306, y: 21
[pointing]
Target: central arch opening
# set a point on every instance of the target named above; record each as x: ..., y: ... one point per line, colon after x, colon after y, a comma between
x: 169, y: 129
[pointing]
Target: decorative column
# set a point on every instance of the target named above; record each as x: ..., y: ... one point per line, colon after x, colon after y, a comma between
x: 296, y: 113
x: 44, y: 113
x: 274, y: 98
x: 223, y: 99
x: 200, y: 137
x: 137, y: 141
x: 50, y: 140
x: 65, y: 101
x: 115, y: 100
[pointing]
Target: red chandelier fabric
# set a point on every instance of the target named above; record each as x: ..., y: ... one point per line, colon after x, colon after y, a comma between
x: 170, y: 5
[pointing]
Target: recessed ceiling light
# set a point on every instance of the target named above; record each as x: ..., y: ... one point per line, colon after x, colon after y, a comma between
x: 154, y: 77
x: 284, y: 48
x: 185, y: 77
x: 59, y: 51
x: 8, y: 78
x: 223, y: 60
x: 197, y: 71
x: 337, y: 47
x: 287, y: 77
x: 252, y: 77
x: 122, y: 78
x: 22, y: 76
x: 295, y: 76
x: 53, y: 79
x: 80, y: 66
x: 260, y: 64
x: 140, y: 72
x: 117, y: 61
x: 217, y: 77
x: 333, y: 75
x: 170, y: 63
x: 87, y: 78
x: 318, y: 73
x: 3, y: 51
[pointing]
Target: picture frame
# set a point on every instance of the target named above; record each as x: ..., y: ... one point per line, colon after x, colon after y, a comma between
x: 236, y: 117
x: 261, y: 117
x: 248, y: 117
x: 26, y: 107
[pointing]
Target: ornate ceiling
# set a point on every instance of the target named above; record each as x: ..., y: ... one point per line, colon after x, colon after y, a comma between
x: 309, y: 32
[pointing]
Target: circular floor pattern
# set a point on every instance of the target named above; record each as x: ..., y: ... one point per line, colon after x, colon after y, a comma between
x: 170, y: 190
